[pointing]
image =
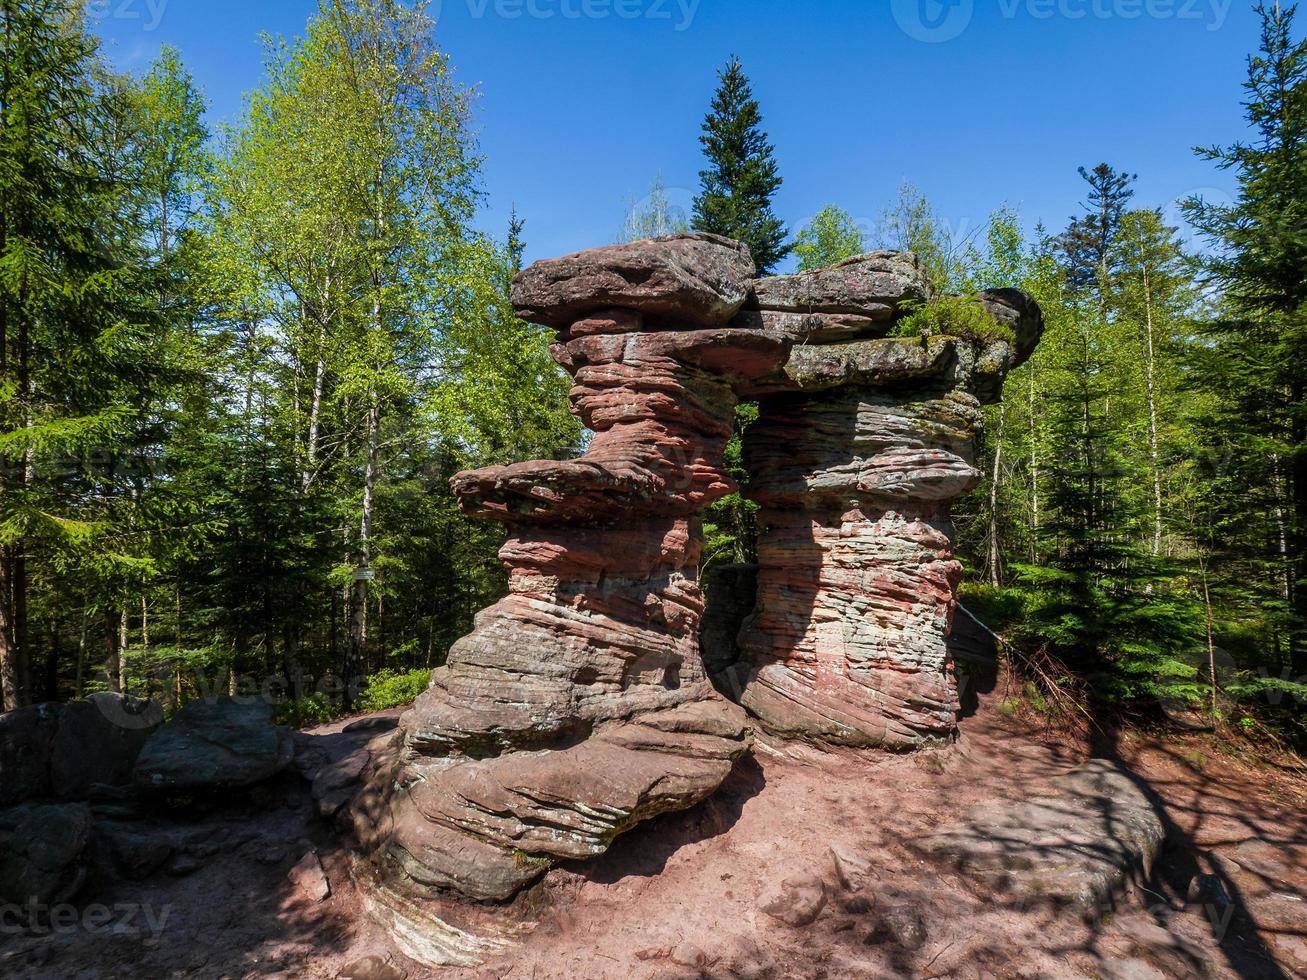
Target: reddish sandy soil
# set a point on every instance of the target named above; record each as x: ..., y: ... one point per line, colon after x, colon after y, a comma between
x: 679, y: 897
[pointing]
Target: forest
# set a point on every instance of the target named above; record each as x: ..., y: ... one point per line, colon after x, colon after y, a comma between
x: 239, y: 365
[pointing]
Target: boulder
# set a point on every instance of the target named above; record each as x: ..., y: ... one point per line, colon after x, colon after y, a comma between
x: 98, y: 741
x: 26, y: 738
x: 68, y: 750
x: 486, y: 828
x: 135, y: 855
x: 42, y: 853
x: 309, y: 880
x: 797, y: 900
x: 902, y: 925
x: 212, y: 744
x: 679, y: 279
x: 1074, y: 845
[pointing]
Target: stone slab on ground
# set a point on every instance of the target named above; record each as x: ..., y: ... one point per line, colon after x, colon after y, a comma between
x: 1075, y: 845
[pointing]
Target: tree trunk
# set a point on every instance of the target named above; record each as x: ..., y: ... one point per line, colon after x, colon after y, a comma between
x: 8, y: 656
x: 81, y: 650
x: 145, y: 639
x: 1151, y: 389
x: 995, y: 571
x: 1298, y: 641
x: 177, y: 657
x: 359, y: 625
x: 113, y: 662
x: 1211, y: 642
x: 1034, y: 473
x: 124, y: 644
x: 52, y: 662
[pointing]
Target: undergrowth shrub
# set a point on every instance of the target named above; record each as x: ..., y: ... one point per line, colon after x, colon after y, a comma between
x: 390, y: 689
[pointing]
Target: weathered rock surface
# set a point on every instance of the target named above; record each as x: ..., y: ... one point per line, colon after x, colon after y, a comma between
x: 873, y: 285
x: 26, y: 737
x: 854, y: 468
x: 98, y: 743
x: 214, y: 743
x: 66, y: 750
x: 682, y: 279
x: 580, y: 705
x: 1076, y: 845
x: 796, y: 901
x: 309, y: 880
x: 42, y: 851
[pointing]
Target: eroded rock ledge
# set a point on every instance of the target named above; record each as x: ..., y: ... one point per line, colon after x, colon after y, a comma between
x: 580, y: 704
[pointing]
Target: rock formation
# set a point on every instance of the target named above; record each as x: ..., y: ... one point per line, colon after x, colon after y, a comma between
x: 854, y: 472
x: 581, y: 705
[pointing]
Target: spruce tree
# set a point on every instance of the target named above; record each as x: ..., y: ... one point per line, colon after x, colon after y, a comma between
x: 742, y: 176
x: 80, y: 338
x: 1260, y: 258
x: 1087, y: 242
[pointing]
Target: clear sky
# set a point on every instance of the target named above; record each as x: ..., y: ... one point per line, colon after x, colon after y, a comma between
x: 978, y: 102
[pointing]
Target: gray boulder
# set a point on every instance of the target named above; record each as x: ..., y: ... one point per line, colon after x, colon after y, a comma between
x: 97, y: 743
x: 66, y: 750
x: 1075, y: 845
x: 26, y: 736
x: 214, y: 743
x: 42, y: 853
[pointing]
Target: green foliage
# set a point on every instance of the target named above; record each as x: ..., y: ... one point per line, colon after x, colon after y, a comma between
x: 730, y: 525
x: 953, y: 316
x: 653, y: 217
x: 742, y: 176
x: 314, y: 708
x: 831, y: 236
x: 391, y: 689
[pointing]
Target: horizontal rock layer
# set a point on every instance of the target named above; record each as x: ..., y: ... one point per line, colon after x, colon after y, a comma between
x: 693, y: 279
x: 847, y: 642
x: 857, y: 579
x: 875, y: 285
x: 580, y: 704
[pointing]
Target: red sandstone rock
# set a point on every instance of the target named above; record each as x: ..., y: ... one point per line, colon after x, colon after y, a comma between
x: 697, y: 279
x: 875, y: 285
x: 580, y: 704
x: 857, y: 582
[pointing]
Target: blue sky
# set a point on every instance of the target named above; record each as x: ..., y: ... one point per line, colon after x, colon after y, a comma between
x: 978, y: 102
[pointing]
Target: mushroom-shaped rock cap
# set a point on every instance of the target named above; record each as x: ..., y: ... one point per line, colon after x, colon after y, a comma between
x: 875, y: 285
x: 1022, y: 315
x: 1019, y: 311
x: 691, y: 280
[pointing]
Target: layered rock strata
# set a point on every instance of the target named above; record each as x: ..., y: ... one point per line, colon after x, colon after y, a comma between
x: 854, y: 473
x: 579, y: 705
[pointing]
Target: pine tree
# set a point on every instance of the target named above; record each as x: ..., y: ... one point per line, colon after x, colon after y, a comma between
x: 1260, y: 258
x: 80, y: 338
x: 1087, y: 242
x: 742, y: 176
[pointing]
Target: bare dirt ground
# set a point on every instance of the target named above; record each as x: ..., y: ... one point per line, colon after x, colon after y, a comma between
x: 680, y: 896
